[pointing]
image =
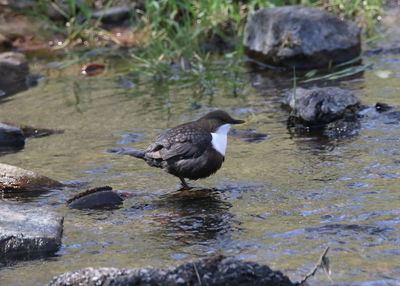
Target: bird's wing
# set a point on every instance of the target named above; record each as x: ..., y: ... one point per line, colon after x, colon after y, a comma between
x: 182, y: 142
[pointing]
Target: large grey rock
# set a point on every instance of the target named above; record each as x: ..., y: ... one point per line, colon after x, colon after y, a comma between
x: 319, y: 106
x: 296, y: 36
x: 26, y: 232
x: 15, y: 179
x: 11, y: 136
x: 217, y: 271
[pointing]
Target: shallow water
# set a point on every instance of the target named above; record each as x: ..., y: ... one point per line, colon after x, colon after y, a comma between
x: 278, y: 201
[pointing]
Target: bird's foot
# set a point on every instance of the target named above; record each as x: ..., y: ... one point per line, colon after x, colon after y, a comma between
x: 184, y: 185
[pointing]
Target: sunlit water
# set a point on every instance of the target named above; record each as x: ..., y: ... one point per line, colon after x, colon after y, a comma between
x: 279, y: 201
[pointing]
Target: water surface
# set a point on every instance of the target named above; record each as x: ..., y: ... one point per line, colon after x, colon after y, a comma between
x: 278, y: 201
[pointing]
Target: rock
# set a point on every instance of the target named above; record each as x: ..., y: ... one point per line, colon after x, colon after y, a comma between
x: 226, y: 271
x: 93, y: 69
x: 345, y: 127
x: 97, y: 198
x: 35, y: 132
x: 300, y: 37
x: 382, y: 107
x: 13, y: 67
x: 27, y: 232
x: 14, y: 179
x: 11, y: 137
x: 338, y: 229
x: 14, y: 72
x: 320, y: 106
x: 214, y: 271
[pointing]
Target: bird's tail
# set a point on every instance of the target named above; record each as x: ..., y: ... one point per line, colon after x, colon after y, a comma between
x: 128, y: 151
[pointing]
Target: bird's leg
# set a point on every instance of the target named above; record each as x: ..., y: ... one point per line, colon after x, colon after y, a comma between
x: 185, y: 186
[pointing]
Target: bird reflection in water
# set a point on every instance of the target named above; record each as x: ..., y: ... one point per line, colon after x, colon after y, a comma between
x: 194, y: 216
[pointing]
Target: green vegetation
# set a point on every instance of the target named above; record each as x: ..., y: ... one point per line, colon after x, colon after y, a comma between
x: 183, y: 31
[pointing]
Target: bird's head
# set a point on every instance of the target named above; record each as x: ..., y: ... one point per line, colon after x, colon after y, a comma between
x: 214, y: 120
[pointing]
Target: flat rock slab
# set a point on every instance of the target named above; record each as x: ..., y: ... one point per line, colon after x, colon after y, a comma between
x: 300, y: 37
x: 214, y: 271
x: 319, y: 106
x: 15, y: 179
x: 26, y: 232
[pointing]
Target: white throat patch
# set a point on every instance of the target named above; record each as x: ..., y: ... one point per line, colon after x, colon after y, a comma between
x: 219, y: 138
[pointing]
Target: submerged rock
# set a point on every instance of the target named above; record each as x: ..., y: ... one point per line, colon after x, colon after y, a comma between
x: 214, y: 271
x: 27, y: 232
x: 320, y: 106
x: 348, y: 126
x: 93, y: 69
x: 15, y: 179
x: 336, y: 229
x: 300, y: 37
x: 382, y: 107
x: 247, y: 135
x: 11, y: 137
x: 14, y: 71
x: 97, y: 198
x: 392, y: 115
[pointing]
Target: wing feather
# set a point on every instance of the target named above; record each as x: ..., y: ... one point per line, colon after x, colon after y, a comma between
x: 181, y: 142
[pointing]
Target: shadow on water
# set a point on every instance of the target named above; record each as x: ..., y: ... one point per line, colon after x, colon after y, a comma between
x: 16, y: 257
x: 193, y: 216
x: 8, y: 89
x: 10, y: 150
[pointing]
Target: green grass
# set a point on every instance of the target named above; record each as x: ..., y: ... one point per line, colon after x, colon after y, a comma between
x: 187, y: 32
x: 182, y: 29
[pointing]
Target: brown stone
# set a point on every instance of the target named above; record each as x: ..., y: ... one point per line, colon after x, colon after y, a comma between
x: 15, y: 179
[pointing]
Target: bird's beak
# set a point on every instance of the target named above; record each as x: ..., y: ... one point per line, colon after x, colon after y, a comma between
x: 237, y: 121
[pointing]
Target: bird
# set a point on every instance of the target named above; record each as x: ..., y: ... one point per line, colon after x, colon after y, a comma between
x: 193, y: 150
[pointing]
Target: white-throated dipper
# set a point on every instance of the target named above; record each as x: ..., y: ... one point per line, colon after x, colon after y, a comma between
x: 192, y: 150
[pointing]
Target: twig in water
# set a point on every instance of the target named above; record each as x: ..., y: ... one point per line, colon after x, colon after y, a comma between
x: 323, y: 262
x: 197, y: 274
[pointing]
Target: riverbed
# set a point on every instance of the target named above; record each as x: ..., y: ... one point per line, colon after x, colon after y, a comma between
x: 278, y: 201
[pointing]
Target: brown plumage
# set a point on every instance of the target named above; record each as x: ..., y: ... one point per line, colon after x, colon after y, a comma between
x: 188, y: 150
